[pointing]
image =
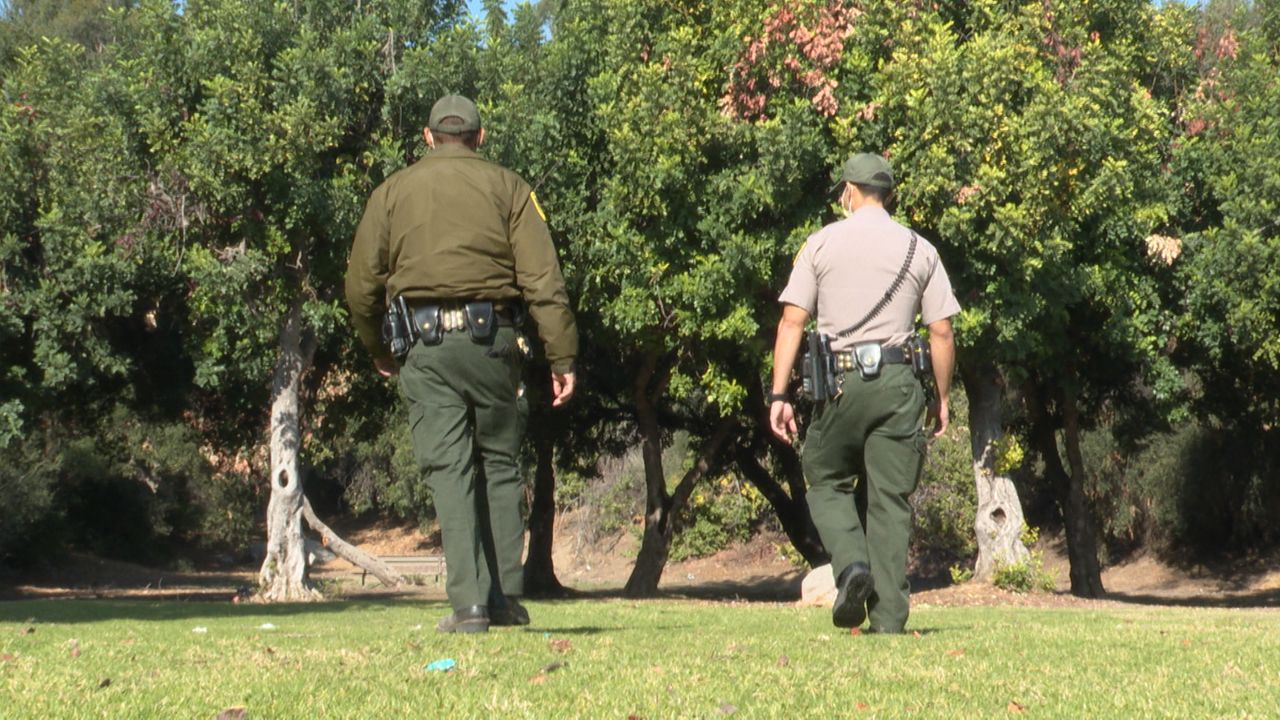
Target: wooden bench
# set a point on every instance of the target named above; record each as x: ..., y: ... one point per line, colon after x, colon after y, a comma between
x: 411, y: 565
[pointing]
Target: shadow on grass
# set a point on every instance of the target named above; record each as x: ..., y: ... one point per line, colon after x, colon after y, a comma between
x: 763, y: 589
x: 588, y: 630
x: 757, y: 588
x: 1226, y: 599
x: 169, y: 608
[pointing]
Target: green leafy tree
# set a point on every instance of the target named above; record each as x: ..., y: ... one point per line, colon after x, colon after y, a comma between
x: 1029, y: 149
x: 73, y: 283
x: 83, y: 22
x: 205, y: 175
x: 1226, y: 264
x: 1042, y: 187
x: 678, y: 239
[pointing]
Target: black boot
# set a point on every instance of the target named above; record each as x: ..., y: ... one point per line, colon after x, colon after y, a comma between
x: 474, y: 619
x: 855, y: 585
x: 508, y: 611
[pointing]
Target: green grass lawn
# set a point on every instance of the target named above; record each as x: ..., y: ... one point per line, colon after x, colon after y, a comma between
x: 617, y: 659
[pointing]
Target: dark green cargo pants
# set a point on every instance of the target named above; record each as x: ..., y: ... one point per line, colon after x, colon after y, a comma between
x: 468, y: 419
x: 862, y: 459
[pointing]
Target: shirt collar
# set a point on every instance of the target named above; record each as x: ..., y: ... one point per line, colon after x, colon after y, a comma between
x: 452, y: 150
x: 869, y: 212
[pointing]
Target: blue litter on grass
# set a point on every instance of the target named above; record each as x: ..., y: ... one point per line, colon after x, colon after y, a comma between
x: 441, y: 665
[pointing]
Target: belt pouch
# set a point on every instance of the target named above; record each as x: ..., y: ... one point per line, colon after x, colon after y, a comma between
x: 870, y: 357
x: 427, y: 319
x: 482, y: 321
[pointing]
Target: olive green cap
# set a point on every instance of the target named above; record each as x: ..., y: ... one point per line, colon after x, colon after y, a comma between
x: 454, y: 106
x: 867, y: 169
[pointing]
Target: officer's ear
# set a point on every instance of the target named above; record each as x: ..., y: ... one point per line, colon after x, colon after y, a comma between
x: 427, y: 136
x: 850, y: 197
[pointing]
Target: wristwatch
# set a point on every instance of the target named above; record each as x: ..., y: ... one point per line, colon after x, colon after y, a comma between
x: 772, y: 398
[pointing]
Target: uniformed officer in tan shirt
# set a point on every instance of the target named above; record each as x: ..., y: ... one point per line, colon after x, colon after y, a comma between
x: 466, y: 243
x: 865, y: 449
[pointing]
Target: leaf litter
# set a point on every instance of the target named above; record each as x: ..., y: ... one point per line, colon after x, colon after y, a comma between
x: 541, y: 677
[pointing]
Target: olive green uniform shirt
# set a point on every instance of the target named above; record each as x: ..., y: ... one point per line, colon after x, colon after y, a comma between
x: 456, y: 226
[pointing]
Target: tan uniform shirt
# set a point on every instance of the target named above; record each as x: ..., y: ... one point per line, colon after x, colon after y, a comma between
x: 845, y: 268
x: 456, y: 226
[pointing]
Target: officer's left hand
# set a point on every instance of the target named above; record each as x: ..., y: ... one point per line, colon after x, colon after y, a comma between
x: 562, y: 385
x: 782, y: 420
x: 386, y: 366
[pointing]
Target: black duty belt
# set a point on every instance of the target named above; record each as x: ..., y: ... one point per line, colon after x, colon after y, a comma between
x: 896, y: 355
x: 452, y: 314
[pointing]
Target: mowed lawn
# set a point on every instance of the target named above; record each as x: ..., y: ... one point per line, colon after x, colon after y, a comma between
x: 622, y: 659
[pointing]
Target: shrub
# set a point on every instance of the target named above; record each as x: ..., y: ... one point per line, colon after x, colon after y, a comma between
x: 1174, y: 490
x: 946, y: 501
x: 128, y: 488
x: 722, y: 511
x: 384, y: 475
x: 1028, y: 575
x: 28, y: 485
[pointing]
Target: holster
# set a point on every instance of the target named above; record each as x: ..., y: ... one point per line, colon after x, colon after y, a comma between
x: 922, y: 365
x: 818, y: 369
x: 399, y: 329
x: 921, y: 357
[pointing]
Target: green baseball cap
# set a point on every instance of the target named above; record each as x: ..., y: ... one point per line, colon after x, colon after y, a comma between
x: 454, y: 106
x: 866, y: 169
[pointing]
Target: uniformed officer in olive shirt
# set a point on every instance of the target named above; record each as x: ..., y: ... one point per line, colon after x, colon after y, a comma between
x: 466, y: 243
x: 871, y: 433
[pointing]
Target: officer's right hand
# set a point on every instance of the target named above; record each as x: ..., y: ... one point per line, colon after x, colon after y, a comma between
x: 782, y: 420
x: 939, y: 415
x: 562, y: 387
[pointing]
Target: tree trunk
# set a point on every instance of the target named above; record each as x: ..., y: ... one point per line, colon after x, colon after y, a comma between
x: 283, y: 576
x: 539, y: 567
x: 999, y: 520
x: 1086, y: 574
x: 791, y: 509
x: 792, y: 514
x: 352, y: 554
x: 1082, y: 538
x: 652, y: 557
x: 659, y: 529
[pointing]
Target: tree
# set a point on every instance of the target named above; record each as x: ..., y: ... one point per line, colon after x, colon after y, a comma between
x: 680, y: 236
x: 1046, y: 183
x: 259, y: 124
x: 1039, y: 187
x: 1225, y: 262
x: 82, y: 22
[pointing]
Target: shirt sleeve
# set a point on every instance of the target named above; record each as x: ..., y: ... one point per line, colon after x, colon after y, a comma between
x: 802, y: 287
x: 541, y: 282
x: 938, y: 301
x: 367, y: 273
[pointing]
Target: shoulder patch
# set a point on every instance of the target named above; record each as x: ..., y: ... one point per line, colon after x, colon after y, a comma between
x: 533, y: 197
